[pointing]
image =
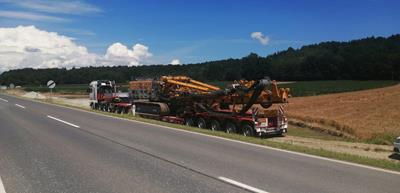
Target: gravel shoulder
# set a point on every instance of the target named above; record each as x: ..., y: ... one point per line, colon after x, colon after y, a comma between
x: 354, y: 148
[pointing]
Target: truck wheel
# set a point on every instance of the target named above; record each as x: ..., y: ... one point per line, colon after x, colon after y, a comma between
x: 201, y: 123
x: 230, y: 127
x: 189, y: 122
x: 280, y: 134
x: 126, y: 110
x: 247, y: 130
x: 214, y: 125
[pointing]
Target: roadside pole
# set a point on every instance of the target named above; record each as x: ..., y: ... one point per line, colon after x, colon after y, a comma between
x: 51, y: 84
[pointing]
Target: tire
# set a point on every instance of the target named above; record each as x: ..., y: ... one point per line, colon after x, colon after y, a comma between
x: 201, y: 123
x: 230, y: 127
x: 247, y: 130
x: 189, y: 121
x: 117, y: 110
x: 126, y: 110
x: 96, y: 106
x: 215, y: 125
x: 280, y: 134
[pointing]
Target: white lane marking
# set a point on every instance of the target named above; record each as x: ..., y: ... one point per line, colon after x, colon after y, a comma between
x: 4, y: 100
x: 2, y: 190
x: 239, y: 184
x: 70, y: 124
x: 242, y: 142
x: 226, y: 139
x: 20, y: 106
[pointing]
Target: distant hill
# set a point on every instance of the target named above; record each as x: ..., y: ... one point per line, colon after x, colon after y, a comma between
x: 373, y: 58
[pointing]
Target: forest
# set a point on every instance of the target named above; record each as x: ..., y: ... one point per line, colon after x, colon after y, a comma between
x: 372, y: 58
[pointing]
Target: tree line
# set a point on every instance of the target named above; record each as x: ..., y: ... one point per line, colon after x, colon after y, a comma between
x: 373, y: 58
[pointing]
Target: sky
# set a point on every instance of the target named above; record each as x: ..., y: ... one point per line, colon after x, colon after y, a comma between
x: 45, y: 33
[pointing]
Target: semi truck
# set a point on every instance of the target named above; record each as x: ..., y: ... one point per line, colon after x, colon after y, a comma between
x: 103, y: 96
x: 241, y: 107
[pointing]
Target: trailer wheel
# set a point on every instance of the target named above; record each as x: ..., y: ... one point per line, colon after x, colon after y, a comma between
x: 189, y: 121
x: 215, y: 125
x: 201, y: 123
x: 230, y: 127
x: 247, y: 130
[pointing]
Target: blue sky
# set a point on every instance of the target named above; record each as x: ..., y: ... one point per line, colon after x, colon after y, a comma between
x: 197, y: 31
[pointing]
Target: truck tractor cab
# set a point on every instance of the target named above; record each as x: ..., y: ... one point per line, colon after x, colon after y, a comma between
x: 101, y: 93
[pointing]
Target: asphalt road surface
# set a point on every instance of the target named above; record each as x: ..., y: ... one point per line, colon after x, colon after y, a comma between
x: 47, y: 148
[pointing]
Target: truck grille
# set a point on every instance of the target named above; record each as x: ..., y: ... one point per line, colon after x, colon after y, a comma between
x: 272, y: 121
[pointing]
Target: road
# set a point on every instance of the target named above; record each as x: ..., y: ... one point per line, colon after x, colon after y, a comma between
x: 48, y: 148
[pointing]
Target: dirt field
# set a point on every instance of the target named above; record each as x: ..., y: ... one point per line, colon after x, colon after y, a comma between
x: 363, y: 114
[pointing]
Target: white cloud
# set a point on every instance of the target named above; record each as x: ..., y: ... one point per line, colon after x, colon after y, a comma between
x: 118, y: 52
x: 175, y: 62
x: 59, y: 6
x: 29, y: 47
x: 264, y: 40
x: 30, y: 16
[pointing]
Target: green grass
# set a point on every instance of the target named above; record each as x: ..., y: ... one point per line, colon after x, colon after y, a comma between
x: 380, y: 163
x: 311, y: 88
x: 386, y: 138
x: 308, y: 133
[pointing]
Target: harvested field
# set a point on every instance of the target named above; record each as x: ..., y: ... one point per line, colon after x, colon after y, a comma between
x: 368, y: 115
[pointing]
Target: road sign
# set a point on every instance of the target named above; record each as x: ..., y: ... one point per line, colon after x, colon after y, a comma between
x: 51, y: 84
x: 12, y: 86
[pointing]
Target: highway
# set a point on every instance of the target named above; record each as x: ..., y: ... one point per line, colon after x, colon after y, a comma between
x: 48, y: 148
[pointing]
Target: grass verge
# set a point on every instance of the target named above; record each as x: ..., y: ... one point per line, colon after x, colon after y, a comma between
x: 379, y: 163
x: 309, y: 133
